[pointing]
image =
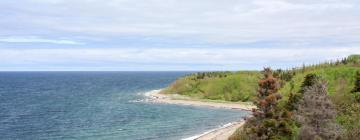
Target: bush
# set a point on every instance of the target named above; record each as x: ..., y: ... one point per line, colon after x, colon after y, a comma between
x: 357, y: 83
x: 357, y: 96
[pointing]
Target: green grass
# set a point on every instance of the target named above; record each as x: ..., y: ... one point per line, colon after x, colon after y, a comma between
x: 232, y: 86
x: 242, y: 85
x: 340, y: 80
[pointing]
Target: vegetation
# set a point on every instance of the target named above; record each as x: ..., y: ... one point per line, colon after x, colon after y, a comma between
x: 316, y: 113
x: 269, y: 121
x: 294, y: 98
x: 306, y: 109
x: 228, y: 86
x: 356, y: 90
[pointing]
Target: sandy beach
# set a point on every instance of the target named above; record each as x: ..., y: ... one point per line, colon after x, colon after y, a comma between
x: 222, y: 133
x: 156, y: 97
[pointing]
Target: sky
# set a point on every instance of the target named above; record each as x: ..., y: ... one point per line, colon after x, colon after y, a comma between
x: 175, y: 35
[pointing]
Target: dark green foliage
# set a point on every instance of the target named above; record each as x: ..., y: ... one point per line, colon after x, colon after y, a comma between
x: 204, y: 75
x: 310, y: 80
x: 357, y: 96
x: 357, y: 83
x: 285, y: 75
x: 356, y: 89
x: 344, y: 61
x: 294, y: 98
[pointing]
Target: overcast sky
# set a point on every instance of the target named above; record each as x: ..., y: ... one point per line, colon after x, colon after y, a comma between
x: 152, y: 35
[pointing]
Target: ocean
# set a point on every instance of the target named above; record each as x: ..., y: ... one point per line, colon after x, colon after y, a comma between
x: 98, y: 106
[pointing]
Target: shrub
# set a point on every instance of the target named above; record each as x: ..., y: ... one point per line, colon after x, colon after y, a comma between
x: 357, y: 96
x: 357, y: 83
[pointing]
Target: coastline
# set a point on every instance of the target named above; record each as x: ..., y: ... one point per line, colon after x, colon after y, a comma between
x: 155, y: 96
x: 222, y: 133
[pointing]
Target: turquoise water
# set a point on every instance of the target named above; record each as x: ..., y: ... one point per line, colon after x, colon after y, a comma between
x: 97, y: 105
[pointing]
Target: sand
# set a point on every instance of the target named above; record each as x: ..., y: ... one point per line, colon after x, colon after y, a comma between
x: 222, y: 133
x: 156, y: 97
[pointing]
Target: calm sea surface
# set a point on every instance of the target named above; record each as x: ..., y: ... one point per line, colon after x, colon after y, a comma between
x: 97, y: 105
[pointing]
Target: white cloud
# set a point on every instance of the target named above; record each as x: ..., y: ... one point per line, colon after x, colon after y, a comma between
x: 308, y: 27
x: 232, y: 21
x: 33, y: 39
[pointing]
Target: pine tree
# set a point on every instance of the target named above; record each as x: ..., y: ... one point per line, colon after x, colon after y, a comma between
x: 309, y: 80
x: 269, y: 122
x: 267, y: 94
x: 317, y: 114
x: 294, y: 98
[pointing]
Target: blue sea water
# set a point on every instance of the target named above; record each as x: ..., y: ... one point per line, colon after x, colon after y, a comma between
x: 97, y: 105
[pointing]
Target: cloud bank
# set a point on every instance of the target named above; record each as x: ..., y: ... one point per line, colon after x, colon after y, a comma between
x: 200, y: 34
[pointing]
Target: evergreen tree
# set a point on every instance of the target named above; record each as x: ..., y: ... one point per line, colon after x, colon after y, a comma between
x: 317, y: 114
x: 309, y: 80
x: 294, y: 98
x: 268, y: 121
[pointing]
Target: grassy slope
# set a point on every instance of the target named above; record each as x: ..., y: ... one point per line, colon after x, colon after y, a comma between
x: 241, y: 86
x: 340, y: 79
x: 231, y: 86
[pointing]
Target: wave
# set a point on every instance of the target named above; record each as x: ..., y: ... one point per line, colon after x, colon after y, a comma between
x: 147, y: 96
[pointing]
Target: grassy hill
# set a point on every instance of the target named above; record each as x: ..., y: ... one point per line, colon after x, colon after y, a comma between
x: 242, y: 86
x: 340, y: 79
x: 228, y: 86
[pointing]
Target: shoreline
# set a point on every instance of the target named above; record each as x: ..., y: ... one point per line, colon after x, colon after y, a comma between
x: 155, y: 96
x: 221, y: 133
